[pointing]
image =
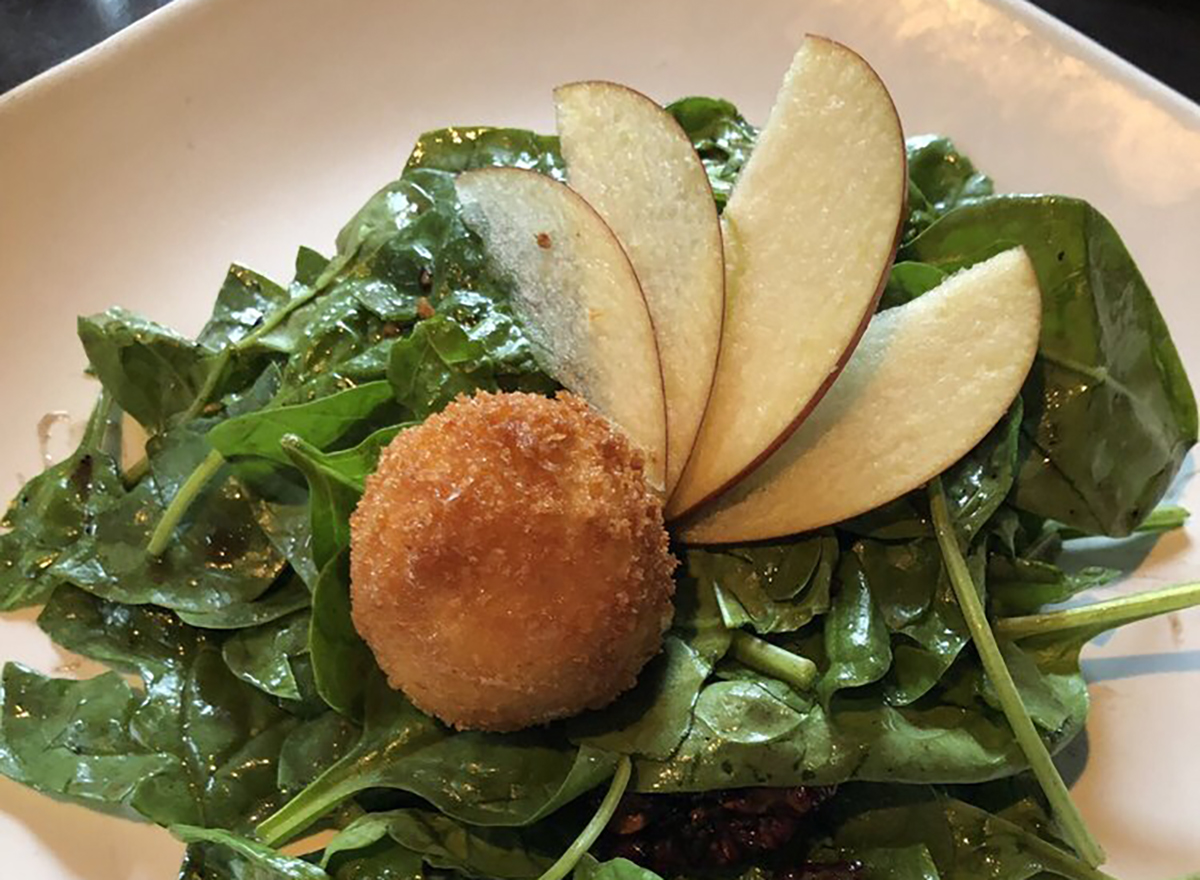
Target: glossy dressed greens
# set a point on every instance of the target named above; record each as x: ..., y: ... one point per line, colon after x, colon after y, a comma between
x: 838, y: 657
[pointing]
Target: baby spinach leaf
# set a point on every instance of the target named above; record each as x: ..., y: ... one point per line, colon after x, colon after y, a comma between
x: 288, y: 595
x: 508, y: 780
x: 978, y: 483
x: 940, y: 179
x: 312, y: 747
x: 1109, y: 412
x: 483, y: 779
x: 334, y: 340
x: 442, y: 842
x: 856, y: 636
x: 244, y: 301
x: 195, y: 746
x: 152, y: 372
x: 1043, y: 649
x: 411, y: 235
x: 362, y: 833
x: 1164, y: 518
x: 218, y: 558
x: 949, y: 734
x: 310, y: 266
x: 364, y: 850
x: 321, y: 422
x: 57, y: 508
x: 777, y: 587
x: 332, y: 497
x: 722, y: 138
x: 654, y: 717
x: 341, y: 313
x: 1021, y: 586
x: 383, y: 299
x: 903, y: 862
x: 386, y: 860
x: 310, y: 704
x: 909, y: 586
x: 435, y: 364
x: 698, y: 619
x: 465, y: 149
x: 1051, y: 700
x: 749, y: 712
x: 357, y: 463
x: 917, y: 833
x: 909, y: 280
x: 487, y: 319
x: 399, y: 231
x: 931, y: 717
x: 885, y: 826
x: 338, y: 346
x: 247, y: 858
x: 256, y: 395
x: 318, y: 529
x: 262, y: 656
x: 288, y: 526
x: 343, y: 665
x: 614, y: 869
x: 318, y: 525
x: 72, y: 738
x: 901, y: 520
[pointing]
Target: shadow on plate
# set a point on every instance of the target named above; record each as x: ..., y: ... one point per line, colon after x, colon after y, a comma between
x: 1101, y: 669
x: 1125, y: 554
x: 1072, y: 760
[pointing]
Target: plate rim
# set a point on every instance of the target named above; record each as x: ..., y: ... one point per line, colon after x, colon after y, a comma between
x: 175, y: 21
x: 177, y: 13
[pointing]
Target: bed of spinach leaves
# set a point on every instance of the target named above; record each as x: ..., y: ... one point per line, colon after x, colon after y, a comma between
x: 255, y: 712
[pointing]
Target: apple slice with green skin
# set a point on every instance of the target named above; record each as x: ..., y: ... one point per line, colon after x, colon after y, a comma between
x: 631, y: 160
x: 928, y: 381
x: 810, y: 232
x: 577, y: 297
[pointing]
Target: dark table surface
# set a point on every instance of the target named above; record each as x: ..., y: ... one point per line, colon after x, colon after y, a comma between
x: 1160, y: 36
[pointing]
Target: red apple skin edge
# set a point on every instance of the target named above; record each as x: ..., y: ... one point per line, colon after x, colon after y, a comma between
x: 687, y: 514
x: 720, y: 240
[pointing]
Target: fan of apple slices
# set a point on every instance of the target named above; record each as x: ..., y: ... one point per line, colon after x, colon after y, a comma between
x: 744, y: 352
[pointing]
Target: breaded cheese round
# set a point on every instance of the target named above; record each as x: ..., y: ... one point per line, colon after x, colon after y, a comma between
x: 509, y: 563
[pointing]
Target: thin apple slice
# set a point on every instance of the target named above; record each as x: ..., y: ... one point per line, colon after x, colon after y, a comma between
x: 810, y: 231
x: 577, y: 297
x: 927, y: 382
x: 635, y: 165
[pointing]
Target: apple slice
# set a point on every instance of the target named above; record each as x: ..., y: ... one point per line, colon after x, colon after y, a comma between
x: 927, y: 382
x: 635, y: 165
x: 577, y: 297
x: 810, y: 231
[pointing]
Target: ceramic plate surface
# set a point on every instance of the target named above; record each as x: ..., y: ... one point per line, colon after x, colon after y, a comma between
x: 219, y: 130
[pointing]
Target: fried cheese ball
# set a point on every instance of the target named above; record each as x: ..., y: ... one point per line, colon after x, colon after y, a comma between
x: 509, y: 564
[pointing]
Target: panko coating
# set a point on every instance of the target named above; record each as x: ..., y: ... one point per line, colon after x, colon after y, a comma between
x: 509, y: 563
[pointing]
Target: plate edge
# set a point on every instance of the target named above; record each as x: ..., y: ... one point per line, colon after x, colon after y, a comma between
x: 1053, y: 29
x: 60, y: 74
x: 1043, y: 24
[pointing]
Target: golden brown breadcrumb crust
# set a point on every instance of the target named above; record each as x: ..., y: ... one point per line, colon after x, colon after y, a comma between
x: 509, y: 563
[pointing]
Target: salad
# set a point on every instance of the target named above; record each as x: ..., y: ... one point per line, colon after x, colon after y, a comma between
x: 554, y: 527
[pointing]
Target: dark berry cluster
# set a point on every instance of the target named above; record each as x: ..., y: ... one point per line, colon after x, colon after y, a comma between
x: 675, y: 835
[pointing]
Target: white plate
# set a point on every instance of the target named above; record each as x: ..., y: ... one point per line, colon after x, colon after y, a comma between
x: 218, y: 130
